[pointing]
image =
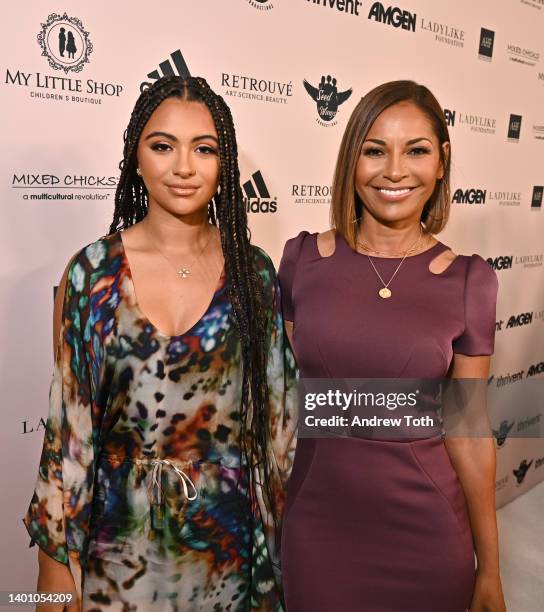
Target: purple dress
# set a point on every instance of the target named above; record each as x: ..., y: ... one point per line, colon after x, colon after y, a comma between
x: 372, y: 525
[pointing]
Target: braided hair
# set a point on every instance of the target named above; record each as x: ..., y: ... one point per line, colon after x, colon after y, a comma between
x: 228, y: 212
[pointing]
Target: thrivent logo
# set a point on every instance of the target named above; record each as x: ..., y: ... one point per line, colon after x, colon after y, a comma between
x: 469, y: 196
x: 393, y: 16
x: 258, y: 198
x: 514, y: 128
x: 487, y: 39
x: 328, y: 99
x: 65, y: 43
x: 536, y: 201
x: 177, y: 66
x: 344, y: 6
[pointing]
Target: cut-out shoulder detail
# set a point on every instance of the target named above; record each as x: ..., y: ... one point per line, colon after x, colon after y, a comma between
x: 326, y: 243
x: 442, y: 261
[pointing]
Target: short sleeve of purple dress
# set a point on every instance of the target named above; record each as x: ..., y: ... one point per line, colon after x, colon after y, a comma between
x: 371, y: 525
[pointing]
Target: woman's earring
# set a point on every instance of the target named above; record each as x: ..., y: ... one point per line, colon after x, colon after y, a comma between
x: 138, y: 172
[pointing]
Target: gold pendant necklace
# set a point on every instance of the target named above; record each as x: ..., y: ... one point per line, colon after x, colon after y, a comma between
x: 385, y: 293
x: 185, y: 270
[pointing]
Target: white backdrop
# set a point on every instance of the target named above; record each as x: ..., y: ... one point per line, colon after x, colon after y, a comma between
x: 63, y: 120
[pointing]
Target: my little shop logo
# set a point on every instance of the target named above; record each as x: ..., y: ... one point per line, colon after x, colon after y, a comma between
x: 328, y: 99
x: 65, y: 43
x: 67, y: 46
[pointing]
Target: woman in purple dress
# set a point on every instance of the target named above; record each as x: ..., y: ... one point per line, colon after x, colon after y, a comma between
x: 376, y: 525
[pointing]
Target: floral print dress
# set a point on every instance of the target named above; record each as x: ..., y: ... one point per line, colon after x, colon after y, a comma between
x: 141, y: 482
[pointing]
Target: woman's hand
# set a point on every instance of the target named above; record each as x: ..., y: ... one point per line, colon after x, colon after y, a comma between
x: 55, y: 577
x: 487, y: 596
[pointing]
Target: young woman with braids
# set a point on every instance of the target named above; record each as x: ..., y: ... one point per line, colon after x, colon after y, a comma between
x: 160, y: 483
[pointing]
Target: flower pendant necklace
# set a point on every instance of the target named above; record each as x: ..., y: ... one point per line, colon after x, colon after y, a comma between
x: 185, y: 270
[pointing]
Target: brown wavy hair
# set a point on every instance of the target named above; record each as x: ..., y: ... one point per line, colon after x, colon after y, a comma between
x: 346, y: 205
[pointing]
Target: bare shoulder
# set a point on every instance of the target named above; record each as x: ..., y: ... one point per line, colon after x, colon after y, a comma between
x: 326, y: 243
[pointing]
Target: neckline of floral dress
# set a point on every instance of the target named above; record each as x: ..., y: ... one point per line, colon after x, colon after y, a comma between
x: 219, y: 288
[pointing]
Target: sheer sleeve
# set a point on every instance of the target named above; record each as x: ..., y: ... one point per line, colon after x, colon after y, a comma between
x: 287, y: 271
x: 59, y: 513
x: 480, y: 299
x: 281, y: 422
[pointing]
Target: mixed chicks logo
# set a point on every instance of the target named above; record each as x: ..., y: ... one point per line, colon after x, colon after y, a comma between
x: 65, y: 43
x: 328, y: 99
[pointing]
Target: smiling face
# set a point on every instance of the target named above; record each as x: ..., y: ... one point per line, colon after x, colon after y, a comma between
x: 178, y: 157
x: 399, y: 165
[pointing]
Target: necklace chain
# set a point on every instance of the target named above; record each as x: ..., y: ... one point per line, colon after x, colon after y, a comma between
x: 185, y: 270
x: 385, y: 292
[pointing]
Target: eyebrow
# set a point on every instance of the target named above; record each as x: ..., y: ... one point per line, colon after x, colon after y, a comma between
x: 174, y: 139
x: 410, y: 142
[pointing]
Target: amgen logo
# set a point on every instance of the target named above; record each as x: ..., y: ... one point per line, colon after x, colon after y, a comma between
x: 503, y: 262
x: 469, y: 196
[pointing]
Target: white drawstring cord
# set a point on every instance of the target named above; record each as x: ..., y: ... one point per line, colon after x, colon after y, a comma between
x: 156, y: 479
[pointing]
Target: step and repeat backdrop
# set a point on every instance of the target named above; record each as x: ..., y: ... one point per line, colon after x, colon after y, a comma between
x: 71, y: 72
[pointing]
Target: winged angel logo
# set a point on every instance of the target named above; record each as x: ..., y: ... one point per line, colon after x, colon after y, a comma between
x: 328, y: 99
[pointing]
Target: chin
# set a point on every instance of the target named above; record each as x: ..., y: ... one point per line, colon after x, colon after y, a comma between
x: 183, y: 206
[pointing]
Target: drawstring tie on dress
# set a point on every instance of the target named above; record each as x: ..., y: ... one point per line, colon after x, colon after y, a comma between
x: 155, y: 486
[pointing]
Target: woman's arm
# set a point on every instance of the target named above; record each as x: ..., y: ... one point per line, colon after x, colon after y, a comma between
x: 53, y: 576
x: 474, y: 460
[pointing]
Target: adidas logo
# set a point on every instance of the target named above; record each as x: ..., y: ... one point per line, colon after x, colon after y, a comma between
x: 538, y: 192
x: 257, y: 195
x: 166, y: 69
